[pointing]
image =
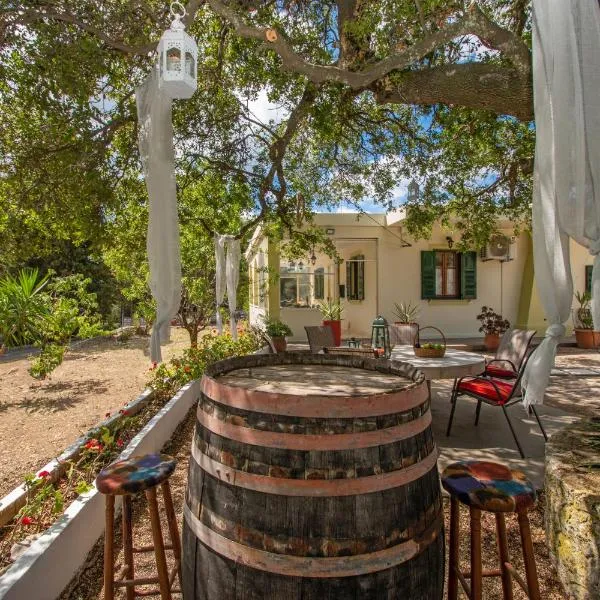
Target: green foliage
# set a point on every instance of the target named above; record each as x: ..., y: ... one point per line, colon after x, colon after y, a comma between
x: 582, y: 317
x: 50, y: 357
x: 276, y: 328
x: 169, y: 377
x: 491, y: 321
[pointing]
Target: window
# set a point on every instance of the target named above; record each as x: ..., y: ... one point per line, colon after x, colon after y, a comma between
x: 588, y: 278
x: 446, y: 275
x: 300, y: 287
x: 320, y: 283
x: 355, y: 278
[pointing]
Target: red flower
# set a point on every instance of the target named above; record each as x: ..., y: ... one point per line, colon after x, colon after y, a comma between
x: 94, y: 445
x: 44, y: 474
x: 120, y: 443
x: 187, y: 368
x: 26, y: 521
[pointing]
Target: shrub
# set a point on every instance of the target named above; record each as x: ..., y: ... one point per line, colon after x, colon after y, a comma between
x: 276, y: 328
x: 211, y: 348
x: 492, y: 322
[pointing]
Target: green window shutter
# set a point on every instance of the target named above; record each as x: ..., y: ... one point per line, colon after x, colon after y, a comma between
x: 468, y: 283
x: 588, y: 278
x: 349, y: 281
x: 360, y: 277
x: 427, y: 274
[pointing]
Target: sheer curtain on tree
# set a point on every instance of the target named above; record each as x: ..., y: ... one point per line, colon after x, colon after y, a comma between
x: 566, y: 202
x: 155, y: 138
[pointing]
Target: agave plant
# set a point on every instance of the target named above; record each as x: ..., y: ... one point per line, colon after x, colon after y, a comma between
x: 406, y: 312
x: 331, y: 310
x: 23, y: 306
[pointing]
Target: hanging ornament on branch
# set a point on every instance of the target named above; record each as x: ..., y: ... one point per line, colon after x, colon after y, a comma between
x: 173, y: 77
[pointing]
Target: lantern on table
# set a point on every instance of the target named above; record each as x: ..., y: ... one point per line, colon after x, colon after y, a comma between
x: 380, y: 335
x: 177, y: 58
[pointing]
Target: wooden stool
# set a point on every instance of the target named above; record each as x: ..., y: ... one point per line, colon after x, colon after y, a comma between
x: 124, y: 478
x: 489, y: 487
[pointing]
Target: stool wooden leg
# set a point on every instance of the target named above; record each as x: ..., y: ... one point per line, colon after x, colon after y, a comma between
x: 533, y: 585
x: 128, y: 544
x: 507, y: 593
x: 109, y: 558
x: 159, y: 547
x: 453, y: 558
x: 173, y: 529
x: 476, y: 570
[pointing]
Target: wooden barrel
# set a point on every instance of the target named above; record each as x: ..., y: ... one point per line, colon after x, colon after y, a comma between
x: 313, y: 477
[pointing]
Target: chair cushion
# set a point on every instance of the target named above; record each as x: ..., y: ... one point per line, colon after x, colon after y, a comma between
x: 493, y: 371
x: 485, y: 388
x: 135, y: 474
x: 488, y: 486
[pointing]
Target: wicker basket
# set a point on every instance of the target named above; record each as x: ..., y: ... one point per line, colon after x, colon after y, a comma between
x: 428, y: 352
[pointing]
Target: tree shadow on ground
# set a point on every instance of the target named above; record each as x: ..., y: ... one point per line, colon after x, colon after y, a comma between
x: 49, y: 402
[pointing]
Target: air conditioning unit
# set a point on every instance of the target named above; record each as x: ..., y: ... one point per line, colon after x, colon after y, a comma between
x: 500, y: 247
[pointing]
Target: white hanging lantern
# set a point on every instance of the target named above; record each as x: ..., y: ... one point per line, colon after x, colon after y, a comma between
x: 177, y: 58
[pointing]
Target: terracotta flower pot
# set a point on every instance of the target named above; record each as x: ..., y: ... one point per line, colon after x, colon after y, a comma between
x: 491, y: 341
x: 279, y: 343
x: 337, y: 331
x: 588, y: 339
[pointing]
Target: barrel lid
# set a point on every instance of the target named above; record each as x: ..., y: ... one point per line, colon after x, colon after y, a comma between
x: 313, y: 380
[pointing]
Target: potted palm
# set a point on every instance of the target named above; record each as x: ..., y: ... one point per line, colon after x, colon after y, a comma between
x: 277, y: 330
x: 332, y: 316
x: 407, y: 325
x: 585, y: 335
x: 493, y: 326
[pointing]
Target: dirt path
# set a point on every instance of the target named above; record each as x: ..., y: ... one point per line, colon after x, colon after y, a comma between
x: 38, y: 420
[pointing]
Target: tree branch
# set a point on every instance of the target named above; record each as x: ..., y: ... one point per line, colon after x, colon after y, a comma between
x: 473, y: 22
x: 474, y: 85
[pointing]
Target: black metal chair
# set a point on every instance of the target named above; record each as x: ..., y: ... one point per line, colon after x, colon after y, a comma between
x: 495, y: 392
x: 510, y: 354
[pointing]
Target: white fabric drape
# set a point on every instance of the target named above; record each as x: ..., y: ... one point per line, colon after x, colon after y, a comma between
x: 155, y: 140
x: 566, y: 202
x: 234, y: 254
x: 220, y: 276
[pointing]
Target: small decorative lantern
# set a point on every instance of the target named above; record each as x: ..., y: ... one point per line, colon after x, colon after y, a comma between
x: 380, y: 335
x: 413, y: 191
x: 177, y: 58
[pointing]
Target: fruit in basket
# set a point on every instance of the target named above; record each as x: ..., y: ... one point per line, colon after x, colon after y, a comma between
x: 430, y: 346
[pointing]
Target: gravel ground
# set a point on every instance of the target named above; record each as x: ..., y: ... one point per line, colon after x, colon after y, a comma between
x: 38, y: 420
x: 88, y: 584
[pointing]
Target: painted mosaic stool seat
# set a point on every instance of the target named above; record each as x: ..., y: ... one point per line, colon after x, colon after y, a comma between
x: 489, y: 487
x: 132, y: 476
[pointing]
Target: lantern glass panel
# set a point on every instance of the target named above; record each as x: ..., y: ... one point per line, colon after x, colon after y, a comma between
x: 173, y: 59
x: 190, y: 64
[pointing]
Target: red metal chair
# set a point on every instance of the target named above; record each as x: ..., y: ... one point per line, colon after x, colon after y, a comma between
x: 495, y: 392
x: 510, y: 354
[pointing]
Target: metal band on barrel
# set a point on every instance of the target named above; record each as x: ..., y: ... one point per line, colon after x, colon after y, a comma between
x: 332, y: 407
x: 298, y: 441
x: 324, y: 488
x: 304, y: 566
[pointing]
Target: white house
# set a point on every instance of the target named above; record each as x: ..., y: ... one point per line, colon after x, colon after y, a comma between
x: 382, y: 265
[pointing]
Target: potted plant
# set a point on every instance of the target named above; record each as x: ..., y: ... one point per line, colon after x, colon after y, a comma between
x: 407, y: 325
x: 277, y: 330
x: 583, y: 323
x: 493, y: 326
x: 332, y: 316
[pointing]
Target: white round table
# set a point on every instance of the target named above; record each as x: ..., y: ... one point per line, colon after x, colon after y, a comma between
x: 455, y: 364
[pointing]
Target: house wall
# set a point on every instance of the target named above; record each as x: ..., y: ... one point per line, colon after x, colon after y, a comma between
x: 393, y: 274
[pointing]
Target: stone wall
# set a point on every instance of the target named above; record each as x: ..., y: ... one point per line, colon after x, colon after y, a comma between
x: 573, y: 507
